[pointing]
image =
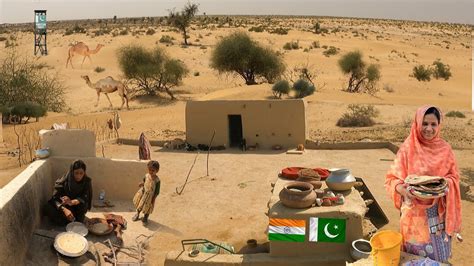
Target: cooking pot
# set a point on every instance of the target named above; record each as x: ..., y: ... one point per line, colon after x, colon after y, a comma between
x: 341, y: 180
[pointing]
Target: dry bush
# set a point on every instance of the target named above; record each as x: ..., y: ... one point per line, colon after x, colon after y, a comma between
x: 358, y: 116
x: 457, y: 114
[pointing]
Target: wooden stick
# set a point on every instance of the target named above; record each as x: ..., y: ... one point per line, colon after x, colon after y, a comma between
x: 186, y: 181
x: 209, y: 150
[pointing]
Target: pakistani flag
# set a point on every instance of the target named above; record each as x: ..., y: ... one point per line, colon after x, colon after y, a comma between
x: 327, y: 230
x: 286, y: 230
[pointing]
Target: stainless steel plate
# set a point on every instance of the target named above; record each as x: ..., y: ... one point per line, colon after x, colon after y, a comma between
x: 71, y: 244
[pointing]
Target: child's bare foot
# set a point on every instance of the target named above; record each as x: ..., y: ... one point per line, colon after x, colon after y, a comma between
x: 145, y: 220
x: 136, y: 217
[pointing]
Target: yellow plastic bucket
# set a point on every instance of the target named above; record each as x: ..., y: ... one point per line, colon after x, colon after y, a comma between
x: 386, y: 248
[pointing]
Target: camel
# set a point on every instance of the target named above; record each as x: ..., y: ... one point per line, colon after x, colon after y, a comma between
x: 81, y: 49
x: 108, y: 85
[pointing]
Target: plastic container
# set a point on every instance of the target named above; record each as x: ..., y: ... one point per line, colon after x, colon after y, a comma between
x: 386, y: 247
x: 102, y: 194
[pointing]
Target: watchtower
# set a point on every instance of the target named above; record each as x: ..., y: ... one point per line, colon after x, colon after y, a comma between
x: 40, y: 32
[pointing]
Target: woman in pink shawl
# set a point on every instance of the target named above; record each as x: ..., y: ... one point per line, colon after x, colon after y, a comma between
x: 426, y: 225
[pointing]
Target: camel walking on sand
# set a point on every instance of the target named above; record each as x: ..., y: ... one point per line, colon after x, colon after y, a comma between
x: 81, y: 48
x: 108, y: 85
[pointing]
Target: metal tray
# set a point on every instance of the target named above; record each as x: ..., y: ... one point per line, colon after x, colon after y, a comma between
x: 68, y: 253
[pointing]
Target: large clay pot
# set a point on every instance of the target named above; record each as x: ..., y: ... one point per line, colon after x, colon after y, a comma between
x: 298, y: 195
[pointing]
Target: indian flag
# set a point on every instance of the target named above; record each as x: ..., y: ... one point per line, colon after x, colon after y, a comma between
x: 327, y: 230
x: 287, y: 230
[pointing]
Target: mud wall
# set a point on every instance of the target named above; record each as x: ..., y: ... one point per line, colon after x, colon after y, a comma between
x: 266, y: 122
x: 20, y: 210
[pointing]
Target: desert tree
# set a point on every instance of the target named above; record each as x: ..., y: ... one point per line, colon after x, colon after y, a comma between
x: 29, y: 84
x: 362, y: 78
x: 151, y: 71
x: 181, y: 20
x: 238, y: 53
x: 303, y: 88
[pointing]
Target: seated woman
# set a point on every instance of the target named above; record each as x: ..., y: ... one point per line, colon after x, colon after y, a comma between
x: 72, y: 196
x: 427, y: 225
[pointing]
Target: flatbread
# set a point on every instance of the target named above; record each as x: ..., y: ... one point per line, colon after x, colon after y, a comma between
x: 71, y: 242
x: 422, y: 179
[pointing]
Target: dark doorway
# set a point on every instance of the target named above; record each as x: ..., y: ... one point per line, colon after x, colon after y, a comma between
x: 235, y: 130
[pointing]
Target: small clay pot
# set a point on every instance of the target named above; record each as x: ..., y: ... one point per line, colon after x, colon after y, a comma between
x: 327, y: 202
x: 298, y: 195
x: 319, y: 193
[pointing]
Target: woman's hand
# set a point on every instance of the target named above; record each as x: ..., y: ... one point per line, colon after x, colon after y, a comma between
x: 65, y: 200
x: 68, y: 214
x: 403, y: 191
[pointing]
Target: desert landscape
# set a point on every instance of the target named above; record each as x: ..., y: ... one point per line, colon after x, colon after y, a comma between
x: 396, y: 47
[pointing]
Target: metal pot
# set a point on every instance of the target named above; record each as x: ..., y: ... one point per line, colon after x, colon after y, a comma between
x: 341, y: 180
x: 360, y: 249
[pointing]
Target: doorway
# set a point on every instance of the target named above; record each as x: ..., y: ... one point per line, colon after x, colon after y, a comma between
x: 235, y: 130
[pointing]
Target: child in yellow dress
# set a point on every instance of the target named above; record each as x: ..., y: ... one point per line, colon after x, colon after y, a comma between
x: 144, y: 199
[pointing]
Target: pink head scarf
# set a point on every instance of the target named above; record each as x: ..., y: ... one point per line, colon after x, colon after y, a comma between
x: 434, y: 157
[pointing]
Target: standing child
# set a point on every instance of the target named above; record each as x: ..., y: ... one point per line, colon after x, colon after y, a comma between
x: 144, y: 199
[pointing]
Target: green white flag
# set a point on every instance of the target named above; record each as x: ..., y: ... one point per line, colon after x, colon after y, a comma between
x: 327, y: 230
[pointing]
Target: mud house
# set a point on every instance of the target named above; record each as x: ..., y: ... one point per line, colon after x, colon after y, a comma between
x: 266, y: 122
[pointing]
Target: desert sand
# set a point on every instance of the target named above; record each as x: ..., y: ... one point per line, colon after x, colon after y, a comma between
x: 396, y: 46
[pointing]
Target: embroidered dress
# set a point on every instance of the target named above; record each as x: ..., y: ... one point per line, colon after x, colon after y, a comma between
x: 426, y: 226
x: 425, y: 236
x: 143, y: 199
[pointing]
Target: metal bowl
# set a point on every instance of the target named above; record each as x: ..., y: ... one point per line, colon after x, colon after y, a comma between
x: 64, y: 243
x: 42, y: 153
x: 360, y: 249
x: 77, y: 227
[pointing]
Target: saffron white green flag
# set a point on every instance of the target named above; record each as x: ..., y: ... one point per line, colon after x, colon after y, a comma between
x: 327, y: 230
x: 286, y: 230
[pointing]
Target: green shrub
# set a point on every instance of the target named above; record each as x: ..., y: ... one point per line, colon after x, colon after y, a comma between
x: 358, y: 116
x: 257, y: 29
x: 123, y: 32
x: 287, y: 46
x: 331, y: 51
x: 2, y: 39
x: 152, y: 70
x: 441, y: 70
x: 99, y: 69
x: 280, y: 31
x: 422, y: 73
x: 362, y: 78
x: 291, y: 46
x: 27, y: 110
x: 281, y: 87
x: 239, y: 54
x: 456, y: 114
x: 303, y: 88
x: 166, y: 39
x: 22, y: 80
x: 150, y: 31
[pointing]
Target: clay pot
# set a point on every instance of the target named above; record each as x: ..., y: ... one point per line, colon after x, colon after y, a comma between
x: 313, y: 181
x: 320, y: 193
x: 298, y: 195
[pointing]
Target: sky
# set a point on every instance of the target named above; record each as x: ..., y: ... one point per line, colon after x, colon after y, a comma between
x: 456, y: 11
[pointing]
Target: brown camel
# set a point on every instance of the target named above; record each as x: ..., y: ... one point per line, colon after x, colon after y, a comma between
x: 81, y: 49
x: 108, y: 85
